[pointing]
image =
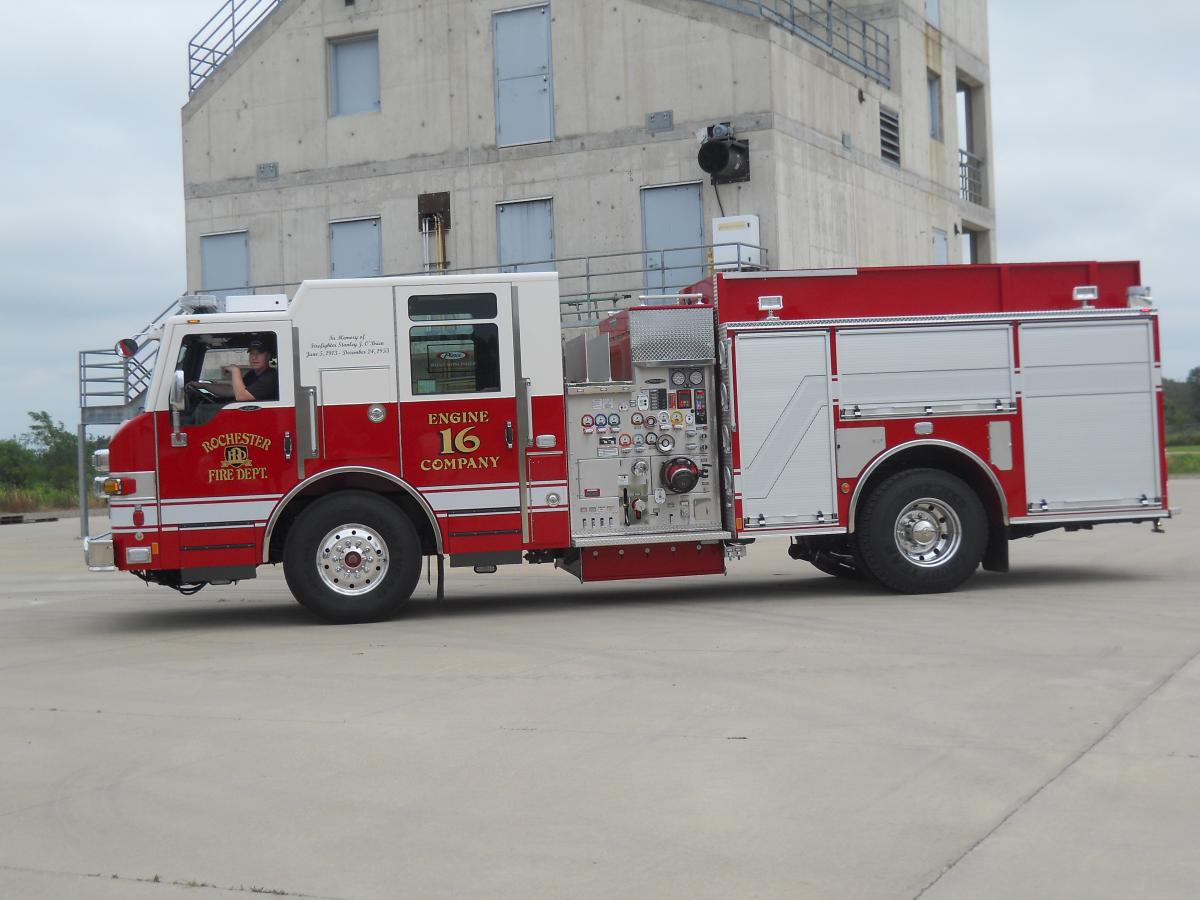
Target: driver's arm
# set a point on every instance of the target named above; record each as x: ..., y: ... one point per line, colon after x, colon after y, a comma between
x: 237, y: 386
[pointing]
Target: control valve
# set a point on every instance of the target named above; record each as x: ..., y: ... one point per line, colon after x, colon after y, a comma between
x: 680, y: 474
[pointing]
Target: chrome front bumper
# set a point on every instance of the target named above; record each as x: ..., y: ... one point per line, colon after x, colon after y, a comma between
x: 98, y: 551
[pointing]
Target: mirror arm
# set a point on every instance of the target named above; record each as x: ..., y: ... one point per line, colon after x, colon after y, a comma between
x: 177, y: 403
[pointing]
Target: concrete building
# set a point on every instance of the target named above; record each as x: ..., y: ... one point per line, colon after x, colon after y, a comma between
x: 359, y: 137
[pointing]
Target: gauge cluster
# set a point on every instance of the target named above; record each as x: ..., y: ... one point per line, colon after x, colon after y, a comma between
x: 643, y: 454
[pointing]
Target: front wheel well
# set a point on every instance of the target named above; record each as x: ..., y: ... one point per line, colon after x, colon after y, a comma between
x: 351, y: 481
x: 959, y: 464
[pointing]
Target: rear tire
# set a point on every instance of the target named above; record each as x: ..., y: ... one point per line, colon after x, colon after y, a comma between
x: 352, y: 557
x: 921, y: 532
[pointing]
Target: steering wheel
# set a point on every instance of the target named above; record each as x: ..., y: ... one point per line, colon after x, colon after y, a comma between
x: 203, y: 394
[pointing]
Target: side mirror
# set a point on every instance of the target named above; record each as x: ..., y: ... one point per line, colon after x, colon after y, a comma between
x: 178, y: 393
x: 126, y: 347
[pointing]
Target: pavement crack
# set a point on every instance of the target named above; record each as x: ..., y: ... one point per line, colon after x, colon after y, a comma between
x: 188, y: 883
x: 1066, y: 767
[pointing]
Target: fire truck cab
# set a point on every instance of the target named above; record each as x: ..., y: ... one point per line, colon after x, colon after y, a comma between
x: 900, y: 424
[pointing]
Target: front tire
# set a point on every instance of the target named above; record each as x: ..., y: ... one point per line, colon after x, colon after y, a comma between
x: 922, y: 532
x: 352, y: 557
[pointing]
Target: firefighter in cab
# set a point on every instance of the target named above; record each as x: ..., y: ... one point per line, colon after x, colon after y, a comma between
x: 260, y: 383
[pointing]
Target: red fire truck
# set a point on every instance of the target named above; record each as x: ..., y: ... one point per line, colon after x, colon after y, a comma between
x: 902, y: 424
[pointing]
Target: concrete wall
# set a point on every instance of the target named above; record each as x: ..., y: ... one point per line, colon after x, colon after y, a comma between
x: 823, y: 199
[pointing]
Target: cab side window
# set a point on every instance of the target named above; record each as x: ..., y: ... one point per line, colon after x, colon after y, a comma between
x: 459, y: 352
x: 224, y: 368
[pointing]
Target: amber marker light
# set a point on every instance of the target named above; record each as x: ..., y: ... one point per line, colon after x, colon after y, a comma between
x: 118, y: 486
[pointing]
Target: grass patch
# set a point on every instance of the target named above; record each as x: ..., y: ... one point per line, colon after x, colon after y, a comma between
x: 41, y: 499
x: 1180, y: 463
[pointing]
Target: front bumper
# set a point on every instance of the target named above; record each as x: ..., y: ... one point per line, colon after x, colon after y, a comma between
x: 98, y: 551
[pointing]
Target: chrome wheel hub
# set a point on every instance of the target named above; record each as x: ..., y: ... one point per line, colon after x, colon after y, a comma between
x: 928, y: 532
x: 352, y: 559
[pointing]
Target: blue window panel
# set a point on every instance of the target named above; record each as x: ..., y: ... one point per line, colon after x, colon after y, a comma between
x: 224, y: 263
x: 672, y: 237
x: 524, y: 87
x: 354, y: 76
x: 525, y: 236
x: 354, y: 249
x: 941, y: 247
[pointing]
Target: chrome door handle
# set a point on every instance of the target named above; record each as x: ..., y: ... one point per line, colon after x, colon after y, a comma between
x: 508, y: 434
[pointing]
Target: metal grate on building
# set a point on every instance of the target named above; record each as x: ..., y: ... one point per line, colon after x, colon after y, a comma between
x: 889, y: 135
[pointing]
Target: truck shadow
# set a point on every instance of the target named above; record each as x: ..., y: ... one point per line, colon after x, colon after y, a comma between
x: 279, y: 610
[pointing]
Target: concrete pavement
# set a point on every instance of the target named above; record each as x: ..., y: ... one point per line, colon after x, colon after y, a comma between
x: 771, y: 733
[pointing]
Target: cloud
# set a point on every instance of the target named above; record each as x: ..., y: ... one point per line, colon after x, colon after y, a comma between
x: 91, y: 226
x: 1092, y: 121
x: 1094, y: 144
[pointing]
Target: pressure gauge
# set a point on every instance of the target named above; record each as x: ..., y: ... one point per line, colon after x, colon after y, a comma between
x: 696, y: 377
x: 651, y: 421
x: 651, y: 438
x: 666, y: 443
x: 679, y: 378
x: 636, y: 419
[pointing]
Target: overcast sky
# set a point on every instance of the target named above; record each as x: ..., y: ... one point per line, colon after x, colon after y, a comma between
x: 1094, y: 122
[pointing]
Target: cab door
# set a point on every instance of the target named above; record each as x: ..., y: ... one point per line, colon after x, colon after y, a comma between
x: 460, y: 436
x: 226, y: 466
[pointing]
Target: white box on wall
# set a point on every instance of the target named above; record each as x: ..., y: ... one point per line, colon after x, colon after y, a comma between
x: 736, y: 243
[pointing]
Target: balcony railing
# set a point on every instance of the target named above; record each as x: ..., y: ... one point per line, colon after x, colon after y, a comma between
x: 970, y: 170
x: 216, y: 40
x: 830, y: 26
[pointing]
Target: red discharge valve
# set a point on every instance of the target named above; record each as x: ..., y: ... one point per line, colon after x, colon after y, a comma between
x: 680, y: 474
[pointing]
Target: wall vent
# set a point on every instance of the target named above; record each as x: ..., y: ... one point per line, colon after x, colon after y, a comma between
x: 889, y: 135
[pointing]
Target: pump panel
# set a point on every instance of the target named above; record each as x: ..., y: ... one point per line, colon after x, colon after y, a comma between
x: 643, y: 454
x: 643, y: 451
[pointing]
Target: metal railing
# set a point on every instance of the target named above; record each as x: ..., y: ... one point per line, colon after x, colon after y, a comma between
x: 217, y: 38
x: 830, y: 26
x: 595, y: 279
x: 836, y: 30
x: 970, y: 171
x: 111, y: 387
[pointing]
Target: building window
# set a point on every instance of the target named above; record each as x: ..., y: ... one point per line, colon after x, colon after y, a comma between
x: 354, y: 249
x: 672, y: 236
x: 525, y: 236
x: 354, y: 75
x: 941, y: 247
x: 972, y: 138
x: 224, y: 263
x: 933, y: 13
x: 524, y: 88
x: 935, y: 105
x: 889, y: 135
x: 976, y: 246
